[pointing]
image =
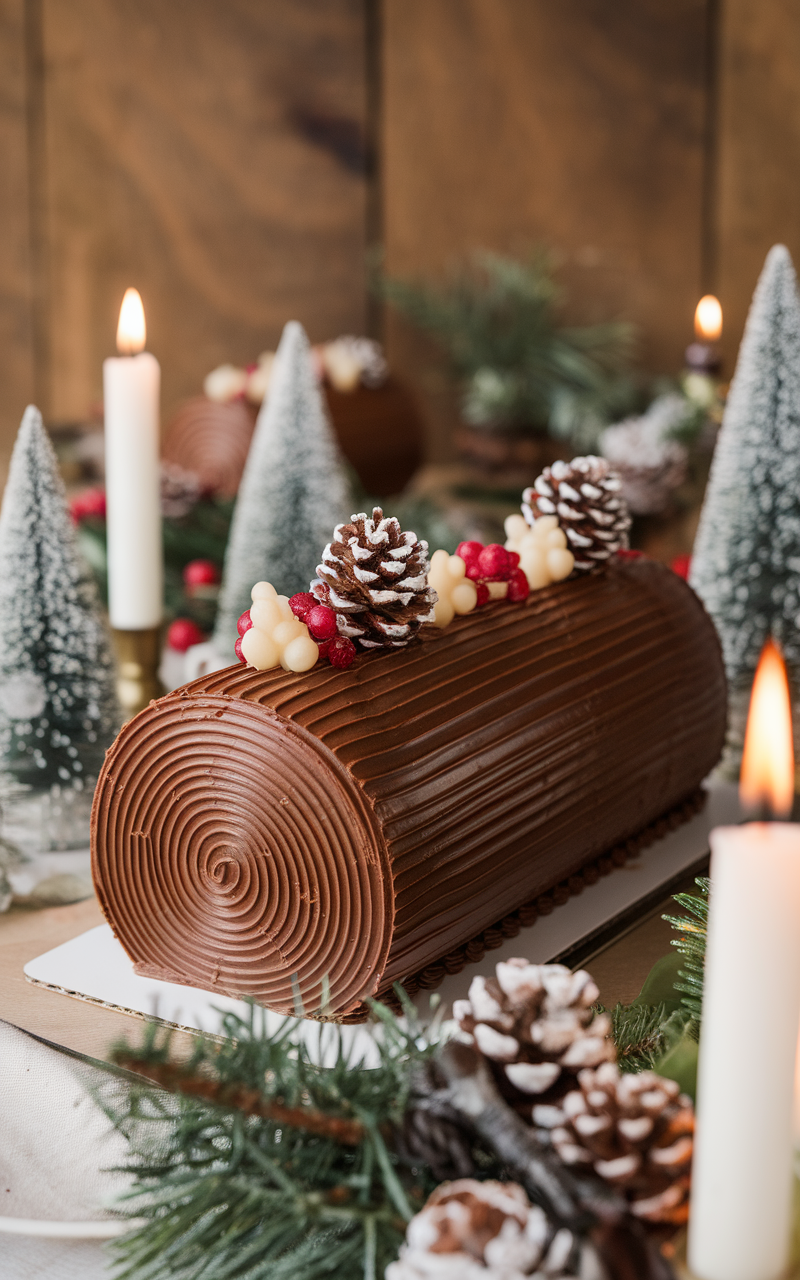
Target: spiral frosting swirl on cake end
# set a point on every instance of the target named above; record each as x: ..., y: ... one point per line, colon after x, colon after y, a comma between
x: 248, y: 864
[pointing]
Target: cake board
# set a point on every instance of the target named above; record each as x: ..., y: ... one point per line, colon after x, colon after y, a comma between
x: 93, y: 966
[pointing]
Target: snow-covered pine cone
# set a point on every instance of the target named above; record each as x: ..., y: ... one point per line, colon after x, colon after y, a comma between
x: 536, y: 1025
x: 586, y: 497
x: 472, y: 1230
x: 635, y: 1131
x: 376, y: 578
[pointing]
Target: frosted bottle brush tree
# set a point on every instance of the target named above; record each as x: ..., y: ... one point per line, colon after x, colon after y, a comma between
x: 746, y: 562
x: 58, y: 710
x: 293, y: 491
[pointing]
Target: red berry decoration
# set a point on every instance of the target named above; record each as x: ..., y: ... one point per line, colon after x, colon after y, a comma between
x: 245, y: 623
x: 681, y: 565
x: 323, y: 649
x: 301, y: 602
x: 493, y: 562
x: 518, y: 588
x: 238, y: 650
x: 183, y: 633
x: 341, y: 652
x: 89, y: 505
x: 201, y: 573
x: 469, y: 551
x: 474, y: 571
x: 321, y: 622
x: 483, y: 594
x: 629, y: 553
x: 513, y: 559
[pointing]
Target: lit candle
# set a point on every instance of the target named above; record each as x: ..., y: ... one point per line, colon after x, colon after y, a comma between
x: 708, y: 319
x: 702, y: 354
x: 740, y: 1221
x: 131, y: 388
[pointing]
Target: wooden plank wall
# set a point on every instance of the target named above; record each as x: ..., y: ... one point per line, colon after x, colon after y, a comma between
x: 758, y: 179
x: 212, y: 155
x: 16, y: 312
x: 578, y: 125
x: 215, y: 156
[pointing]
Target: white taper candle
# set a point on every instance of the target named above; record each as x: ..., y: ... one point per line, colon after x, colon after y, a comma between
x: 131, y: 391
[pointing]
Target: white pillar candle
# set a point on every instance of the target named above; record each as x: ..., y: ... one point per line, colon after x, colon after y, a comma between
x: 131, y: 390
x: 739, y: 1227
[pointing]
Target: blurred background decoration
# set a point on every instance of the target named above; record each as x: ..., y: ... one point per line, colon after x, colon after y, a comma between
x: 494, y: 218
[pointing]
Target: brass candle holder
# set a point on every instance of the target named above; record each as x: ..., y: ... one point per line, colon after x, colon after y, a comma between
x: 138, y: 658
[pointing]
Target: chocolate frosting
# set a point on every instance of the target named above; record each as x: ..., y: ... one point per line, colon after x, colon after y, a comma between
x: 310, y: 839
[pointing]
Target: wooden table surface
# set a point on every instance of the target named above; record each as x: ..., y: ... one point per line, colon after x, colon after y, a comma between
x: 79, y: 1025
x: 90, y: 1029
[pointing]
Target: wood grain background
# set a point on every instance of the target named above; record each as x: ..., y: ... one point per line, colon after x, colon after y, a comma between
x: 236, y: 161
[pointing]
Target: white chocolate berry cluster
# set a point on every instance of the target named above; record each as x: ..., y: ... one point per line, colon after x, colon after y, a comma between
x: 456, y: 593
x: 542, y: 549
x: 276, y: 637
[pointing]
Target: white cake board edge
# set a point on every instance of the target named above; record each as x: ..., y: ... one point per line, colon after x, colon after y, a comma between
x: 95, y: 968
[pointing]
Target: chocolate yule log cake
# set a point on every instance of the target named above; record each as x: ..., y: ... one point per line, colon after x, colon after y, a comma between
x: 309, y: 837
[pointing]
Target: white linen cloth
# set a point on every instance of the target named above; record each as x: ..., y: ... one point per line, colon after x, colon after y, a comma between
x: 55, y: 1144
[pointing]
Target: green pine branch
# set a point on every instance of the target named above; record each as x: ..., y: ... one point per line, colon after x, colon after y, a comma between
x: 692, y: 945
x: 252, y: 1162
x: 497, y: 320
x: 644, y: 1034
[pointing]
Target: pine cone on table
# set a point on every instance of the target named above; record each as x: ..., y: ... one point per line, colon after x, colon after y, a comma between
x: 536, y: 1025
x: 635, y: 1131
x: 375, y: 577
x: 586, y: 497
x: 472, y: 1230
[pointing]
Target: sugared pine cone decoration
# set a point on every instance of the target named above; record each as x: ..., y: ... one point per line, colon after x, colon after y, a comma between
x: 635, y: 1131
x: 536, y: 1025
x: 376, y: 578
x: 586, y: 497
x: 471, y: 1230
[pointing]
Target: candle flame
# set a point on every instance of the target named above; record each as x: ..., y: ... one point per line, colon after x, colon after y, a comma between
x: 131, y: 330
x: 768, y: 761
x: 708, y: 319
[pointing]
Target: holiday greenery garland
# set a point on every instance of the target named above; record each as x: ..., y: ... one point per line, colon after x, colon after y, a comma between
x: 251, y: 1161
x: 496, y: 317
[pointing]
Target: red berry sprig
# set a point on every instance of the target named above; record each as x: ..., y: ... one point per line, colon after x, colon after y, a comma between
x: 493, y: 563
x: 321, y: 622
x: 183, y: 633
x: 322, y: 627
x: 301, y: 603
x: 340, y: 651
x: 201, y: 573
x: 243, y: 625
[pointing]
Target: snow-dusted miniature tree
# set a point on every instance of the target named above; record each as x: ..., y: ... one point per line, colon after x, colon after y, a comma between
x: 746, y: 561
x: 293, y: 492
x: 58, y: 708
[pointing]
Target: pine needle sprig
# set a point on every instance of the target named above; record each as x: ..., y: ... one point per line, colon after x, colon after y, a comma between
x: 251, y: 1162
x: 692, y: 945
x: 518, y: 366
x: 644, y: 1034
